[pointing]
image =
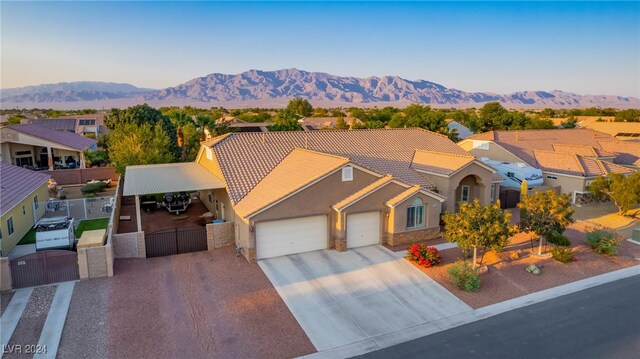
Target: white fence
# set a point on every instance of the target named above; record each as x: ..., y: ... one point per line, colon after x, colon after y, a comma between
x: 79, y: 209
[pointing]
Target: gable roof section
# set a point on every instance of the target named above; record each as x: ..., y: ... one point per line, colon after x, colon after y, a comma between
x: 297, y: 170
x: 628, y: 152
x: 440, y: 162
x: 523, y: 143
x: 61, y: 137
x: 16, y: 183
x: 376, y: 185
x: 58, y: 124
x: 402, y: 196
x: 581, y: 150
x: 246, y: 158
x: 572, y: 164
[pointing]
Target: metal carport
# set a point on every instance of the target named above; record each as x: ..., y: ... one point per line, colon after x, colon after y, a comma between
x: 165, y: 178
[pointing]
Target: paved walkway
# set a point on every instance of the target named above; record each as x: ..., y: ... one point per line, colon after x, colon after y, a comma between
x: 53, y: 325
x: 341, y: 298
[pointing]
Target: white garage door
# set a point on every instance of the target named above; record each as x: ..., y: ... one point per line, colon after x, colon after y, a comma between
x: 363, y: 229
x: 279, y: 238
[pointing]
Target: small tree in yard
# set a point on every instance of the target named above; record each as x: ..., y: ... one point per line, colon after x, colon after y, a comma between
x: 623, y: 190
x: 544, y: 213
x: 475, y: 225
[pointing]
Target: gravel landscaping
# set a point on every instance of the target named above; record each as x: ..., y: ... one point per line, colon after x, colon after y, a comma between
x: 32, y: 320
x: 5, y: 298
x: 507, y: 279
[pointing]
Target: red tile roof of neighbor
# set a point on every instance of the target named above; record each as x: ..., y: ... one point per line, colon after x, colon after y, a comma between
x: 16, y: 183
x: 558, y: 143
x: 64, y: 138
x: 246, y: 158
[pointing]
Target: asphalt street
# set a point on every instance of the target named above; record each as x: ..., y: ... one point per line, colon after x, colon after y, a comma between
x: 600, y: 322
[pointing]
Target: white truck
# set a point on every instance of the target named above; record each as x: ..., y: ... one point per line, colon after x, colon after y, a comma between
x: 55, y: 233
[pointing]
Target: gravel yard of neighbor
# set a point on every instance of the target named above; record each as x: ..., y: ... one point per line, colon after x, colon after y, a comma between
x: 5, y: 298
x: 507, y: 279
x: 32, y: 320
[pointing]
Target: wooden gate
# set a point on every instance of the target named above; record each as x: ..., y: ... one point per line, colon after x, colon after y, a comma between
x: 44, y: 267
x: 177, y: 240
x: 509, y: 198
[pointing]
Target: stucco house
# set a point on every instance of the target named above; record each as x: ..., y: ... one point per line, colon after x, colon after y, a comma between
x: 292, y: 192
x: 20, y: 194
x: 568, y: 158
x: 39, y: 147
x: 80, y: 124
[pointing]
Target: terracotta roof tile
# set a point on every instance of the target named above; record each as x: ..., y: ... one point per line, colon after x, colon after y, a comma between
x: 402, y: 196
x: 573, y: 164
x: 440, y: 162
x: 246, y: 158
x: 16, y: 183
x: 298, y: 169
x: 628, y: 152
x: 363, y: 192
x: 581, y: 150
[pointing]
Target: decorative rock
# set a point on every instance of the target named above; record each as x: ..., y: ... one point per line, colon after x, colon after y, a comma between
x: 533, y: 269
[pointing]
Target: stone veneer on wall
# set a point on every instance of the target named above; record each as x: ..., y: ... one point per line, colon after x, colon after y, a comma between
x: 410, y: 237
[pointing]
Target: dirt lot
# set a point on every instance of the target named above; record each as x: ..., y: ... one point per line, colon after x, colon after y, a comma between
x: 195, y: 305
x: 507, y: 279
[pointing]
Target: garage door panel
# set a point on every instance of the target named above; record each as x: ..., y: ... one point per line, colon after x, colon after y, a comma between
x: 297, y: 235
x: 363, y: 229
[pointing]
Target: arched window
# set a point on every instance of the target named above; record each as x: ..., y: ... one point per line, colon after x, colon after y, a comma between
x: 416, y: 214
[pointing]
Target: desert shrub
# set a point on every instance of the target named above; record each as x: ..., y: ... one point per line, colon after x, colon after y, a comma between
x: 423, y: 255
x: 562, y: 255
x: 603, y: 241
x: 559, y: 239
x: 464, y: 276
x: 93, y: 187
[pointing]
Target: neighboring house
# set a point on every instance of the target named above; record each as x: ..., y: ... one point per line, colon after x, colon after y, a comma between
x: 462, y: 130
x: 41, y: 148
x: 569, y: 158
x: 21, y: 192
x: 80, y: 124
x: 620, y: 130
x: 319, y: 123
x: 292, y: 192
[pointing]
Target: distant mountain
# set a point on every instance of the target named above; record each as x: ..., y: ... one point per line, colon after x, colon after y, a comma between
x: 256, y: 88
x: 70, y: 92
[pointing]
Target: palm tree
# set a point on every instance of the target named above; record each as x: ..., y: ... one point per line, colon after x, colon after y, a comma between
x: 204, y: 122
x: 180, y: 119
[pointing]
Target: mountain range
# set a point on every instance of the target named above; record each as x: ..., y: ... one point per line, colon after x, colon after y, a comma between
x: 256, y: 88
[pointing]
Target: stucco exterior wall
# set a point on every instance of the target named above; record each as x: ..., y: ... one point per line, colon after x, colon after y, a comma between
x: 22, y: 223
x: 493, y: 151
x: 567, y: 184
x: 398, y: 216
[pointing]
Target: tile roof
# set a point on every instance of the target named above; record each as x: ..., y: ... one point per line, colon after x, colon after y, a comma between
x: 246, y: 158
x: 298, y: 169
x: 440, y: 162
x: 363, y: 192
x: 522, y: 143
x: 572, y: 164
x: 16, y: 183
x: 402, y: 196
x: 581, y: 150
x: 64, y: 138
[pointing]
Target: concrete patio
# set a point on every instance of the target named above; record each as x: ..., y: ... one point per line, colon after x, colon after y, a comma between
x: 341, y: 298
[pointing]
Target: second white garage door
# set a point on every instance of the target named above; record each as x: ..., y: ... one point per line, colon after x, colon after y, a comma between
x: 363, y: 229
x: 289, y: 236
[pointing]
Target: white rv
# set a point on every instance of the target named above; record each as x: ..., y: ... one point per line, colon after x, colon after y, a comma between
x: 55, y: 233
x: 515, y: 173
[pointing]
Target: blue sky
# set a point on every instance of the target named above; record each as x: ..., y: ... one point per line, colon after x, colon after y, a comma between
x: 583, y: 47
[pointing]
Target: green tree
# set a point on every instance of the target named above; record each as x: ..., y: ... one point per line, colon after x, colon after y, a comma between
x: 491, y: 115
x: 180, y: 121
x: 630, y: 115
x: 623, y: 190
x: 15, y: 119
x: 341, y: 124
x: 133, y: 144
x: 545, y: 213
x: 204, y: 122
x: 398, y: 121
x: 300, y: 106
x: 475, y: 225
x: 570, y: 122
x: 286, y: 121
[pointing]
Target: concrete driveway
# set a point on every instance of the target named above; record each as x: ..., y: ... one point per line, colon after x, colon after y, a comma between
x: 341, y: 298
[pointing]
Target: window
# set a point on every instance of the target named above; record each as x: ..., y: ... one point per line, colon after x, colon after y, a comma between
x: 35, y: 203
x: 493, y: 193
x: 510, y: 174
x: 415, y: 214
x: 552, y: 177
x: 347, y: 174
x: 464, y: 194
x: 87, y: 122
x: 24, y: 210
x: 23, y: 153
x: 10, y: 225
